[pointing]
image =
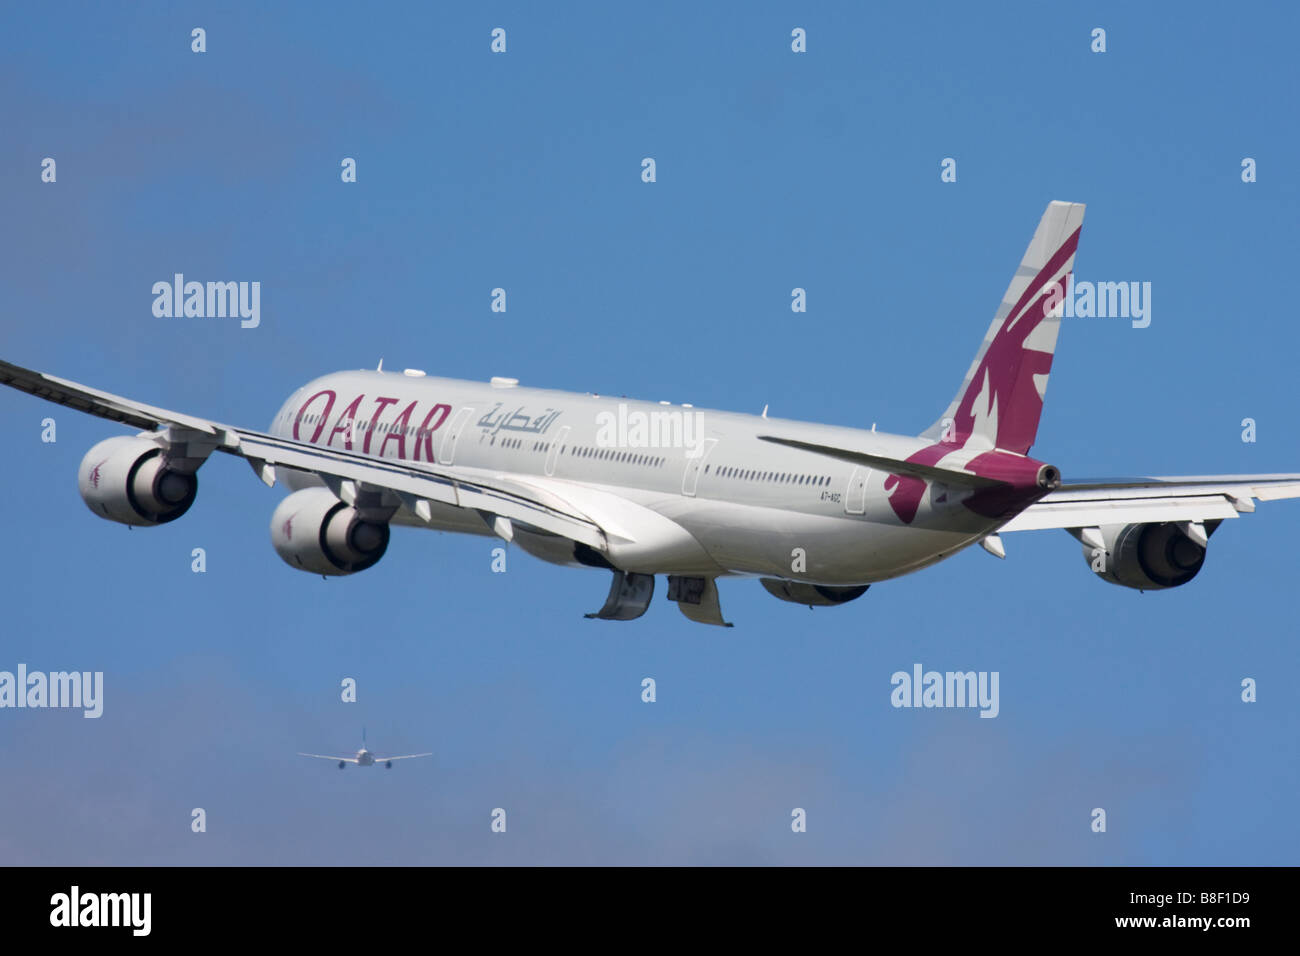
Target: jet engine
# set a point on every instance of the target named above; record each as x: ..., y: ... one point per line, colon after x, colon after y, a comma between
x: 813, y: 595
x: 312, y: 530
x: 1147, y: 557
x: 131, y: 480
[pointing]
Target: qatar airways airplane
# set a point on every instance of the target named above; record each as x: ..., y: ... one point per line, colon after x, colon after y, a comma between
x: 816, y: 512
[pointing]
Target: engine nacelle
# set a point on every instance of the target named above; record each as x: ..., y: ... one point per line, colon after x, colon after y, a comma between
x: 130, y: 480
x: 813, y: 595
x: 314, y: 531
x: 1147, y: 557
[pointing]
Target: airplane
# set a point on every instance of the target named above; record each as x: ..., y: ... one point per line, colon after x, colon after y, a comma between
x: 364, y: 758
x: 817, y: 513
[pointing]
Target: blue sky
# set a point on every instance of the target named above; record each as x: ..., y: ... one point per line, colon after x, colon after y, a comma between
x: 522, y: 170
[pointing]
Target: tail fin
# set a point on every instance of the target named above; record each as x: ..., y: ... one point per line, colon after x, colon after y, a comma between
x: 1001, y: 399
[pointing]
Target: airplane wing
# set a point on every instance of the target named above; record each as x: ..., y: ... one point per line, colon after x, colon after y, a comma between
x: 414, y: 484
x: 403, y: 757
x: 1092, y: 503
x: 328, y: 757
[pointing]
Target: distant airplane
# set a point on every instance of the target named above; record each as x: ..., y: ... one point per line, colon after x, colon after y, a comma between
x: 817, y: 513
x: 364, y: 758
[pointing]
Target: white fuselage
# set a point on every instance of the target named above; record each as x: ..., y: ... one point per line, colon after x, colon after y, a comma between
x: 696, y: 491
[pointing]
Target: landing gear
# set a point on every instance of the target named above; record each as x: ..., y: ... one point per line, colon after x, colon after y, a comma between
x: 697, y: 598
x: 629, y: 596
x: 630, y: 593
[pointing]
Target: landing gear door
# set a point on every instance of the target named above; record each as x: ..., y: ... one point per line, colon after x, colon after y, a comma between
x: 855, y: 498
x: 695, y: 465
x: 447, y: 450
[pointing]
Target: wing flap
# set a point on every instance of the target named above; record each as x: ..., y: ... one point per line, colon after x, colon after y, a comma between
x: 462, y: 489
x: 1084, y: 504
x: 1087, y: 514
x: 92, y: 401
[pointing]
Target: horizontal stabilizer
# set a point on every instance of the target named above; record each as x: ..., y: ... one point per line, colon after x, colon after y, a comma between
x: 895, y: 466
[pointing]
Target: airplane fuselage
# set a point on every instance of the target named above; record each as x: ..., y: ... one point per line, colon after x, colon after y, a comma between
x: 734, y: 503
